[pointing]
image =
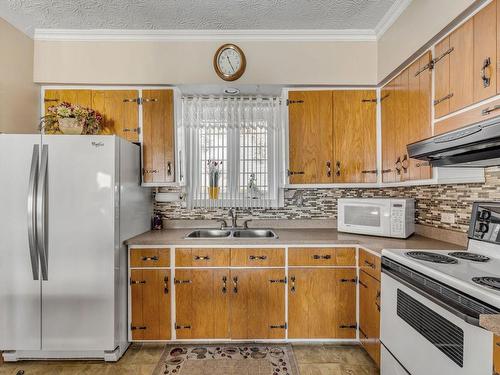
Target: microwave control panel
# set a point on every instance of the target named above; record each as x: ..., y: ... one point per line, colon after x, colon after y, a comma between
x: 397, y: 219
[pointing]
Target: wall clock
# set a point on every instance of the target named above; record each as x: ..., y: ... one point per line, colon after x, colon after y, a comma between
x: 229, y: 62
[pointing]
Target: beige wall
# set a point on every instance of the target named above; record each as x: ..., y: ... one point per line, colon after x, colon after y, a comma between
x: 19, y: 96
x: 161, y: 62
x: 419, y: 23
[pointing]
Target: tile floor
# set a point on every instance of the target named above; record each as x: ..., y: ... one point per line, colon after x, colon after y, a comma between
x: 142, y: 359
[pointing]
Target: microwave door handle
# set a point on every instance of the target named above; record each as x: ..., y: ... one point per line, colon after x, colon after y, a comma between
x: 42, y: 214
x: 465, y: 317
x: 31, y: 211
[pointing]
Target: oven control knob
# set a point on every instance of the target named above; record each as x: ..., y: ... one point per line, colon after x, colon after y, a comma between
x: 483, y: 228
x: 485, y: 215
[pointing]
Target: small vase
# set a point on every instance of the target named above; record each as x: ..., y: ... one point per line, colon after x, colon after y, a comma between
x: 70, y: 126
x: 213, y: 192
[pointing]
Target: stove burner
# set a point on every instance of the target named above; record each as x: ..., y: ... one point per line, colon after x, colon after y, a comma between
x: 489, y: 282
x: 469, y: 256
x: 431, y: 257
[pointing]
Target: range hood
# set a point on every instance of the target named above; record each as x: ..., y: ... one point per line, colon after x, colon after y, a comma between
x: 476, y: 145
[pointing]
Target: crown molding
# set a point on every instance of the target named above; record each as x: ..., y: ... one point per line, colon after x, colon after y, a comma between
x: 390, y: 17
x: 111, y: 35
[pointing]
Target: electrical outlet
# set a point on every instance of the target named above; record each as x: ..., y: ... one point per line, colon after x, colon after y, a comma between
x: 448, y: 218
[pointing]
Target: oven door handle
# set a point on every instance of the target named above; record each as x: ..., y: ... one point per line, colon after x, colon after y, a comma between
x: 467, y: 318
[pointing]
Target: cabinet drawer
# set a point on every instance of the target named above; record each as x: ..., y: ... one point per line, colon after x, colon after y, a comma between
x: 322, y: 256
x: 258, y: 257
x: 369, y: 263
x: 199, y: 257
x: 149, y: 257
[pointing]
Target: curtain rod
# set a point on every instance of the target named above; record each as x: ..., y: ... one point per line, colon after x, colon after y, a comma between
x: 205, y: 97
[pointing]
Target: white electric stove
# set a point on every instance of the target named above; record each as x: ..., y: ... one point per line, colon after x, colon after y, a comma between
x: 432, y: 300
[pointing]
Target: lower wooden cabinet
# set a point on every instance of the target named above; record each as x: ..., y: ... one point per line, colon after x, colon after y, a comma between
x: 202, y: 304
x: 369, y: 315
x: 150, y: 304
x: 257, y: 304
x: 321, y: 303
x: 496, y: 355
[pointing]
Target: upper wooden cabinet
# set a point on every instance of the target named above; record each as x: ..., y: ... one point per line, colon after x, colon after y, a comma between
x: 485, y: 52
x: 354, y: 136
x: 406, y: 118
x: 419, y: 115
x: 118, y: 108
x: 158, y: 136
x: 454, y: 65
x: 310, y: 137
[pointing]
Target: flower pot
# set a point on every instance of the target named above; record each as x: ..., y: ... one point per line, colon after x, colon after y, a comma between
x: 70, y: 125
x: 213, y: 192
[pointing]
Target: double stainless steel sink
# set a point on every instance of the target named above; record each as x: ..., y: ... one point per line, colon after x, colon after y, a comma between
x: 231, y: 233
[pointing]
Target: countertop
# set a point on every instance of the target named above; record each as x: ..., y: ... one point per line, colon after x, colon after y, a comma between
x: 295, y: 236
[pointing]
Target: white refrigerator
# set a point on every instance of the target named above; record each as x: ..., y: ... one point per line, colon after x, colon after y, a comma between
x: 67, y: 203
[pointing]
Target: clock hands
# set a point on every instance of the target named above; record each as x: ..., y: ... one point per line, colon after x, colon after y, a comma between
x: 227, y: 57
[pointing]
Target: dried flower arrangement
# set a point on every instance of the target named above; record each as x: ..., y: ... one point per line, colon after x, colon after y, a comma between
x: 214, y: 171
x: 84, y: 120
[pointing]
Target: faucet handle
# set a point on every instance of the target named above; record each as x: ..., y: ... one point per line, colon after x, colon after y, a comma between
x: 245, y: 223
x: 223, y: 223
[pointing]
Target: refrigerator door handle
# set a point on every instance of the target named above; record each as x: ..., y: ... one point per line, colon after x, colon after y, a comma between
x: 41, y: 213
x: 32, y: 191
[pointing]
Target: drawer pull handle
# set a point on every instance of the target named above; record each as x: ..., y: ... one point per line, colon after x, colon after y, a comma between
x: 292, y: 289
x: 224, y: 284
x: 292, y: 173
x: 349, y: 326
x: 165, y: 285
x: 177, y: 281
x: 257, y: 257
x: 370, y: 264
x: 363, y: 333
x: 281, y: 326
x: 371, y: 171
x: 348, y: 280
x: 423, y: 164
x: 127, y: 130
x: 198, y: 257
x: 182, y: 327
x: 169, y: 169
x: 328, y: 169
x: 277, y: 281
x: 134, y: 282
x: 134, y: 328
x: 337, y: 169
x: 316, y: 256
x: 153, y: 259
x: 235, y: 284
x: 487, y: 111
x: 386, y: 171
x: 150, y: 171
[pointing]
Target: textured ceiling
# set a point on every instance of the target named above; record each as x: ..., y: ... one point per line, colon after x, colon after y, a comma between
x: 194, y: 14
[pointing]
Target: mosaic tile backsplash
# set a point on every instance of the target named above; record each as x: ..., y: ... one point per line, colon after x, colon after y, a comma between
x: 431, y: 201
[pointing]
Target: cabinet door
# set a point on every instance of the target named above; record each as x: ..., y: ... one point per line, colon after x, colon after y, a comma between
x: 322, y: 303
x: 79, y: 97
x: 158, y: 136
x: 150, y: 304
x: 354, y: 136
x: 485, y: 52
x: 442, y: 78
x: 120, y: 111
x: 401, y: 130
x: 257, y: 304
x: 419, y: 118
x: 496, y: 355
x: 310, y: 137
x: 389, y: 150
x: 202, y: 310
x: 462, y: 66
x: 369, y: 315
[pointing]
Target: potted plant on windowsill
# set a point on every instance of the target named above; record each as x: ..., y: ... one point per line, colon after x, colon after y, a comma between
x: 67, y: 118
x: 213, y: 178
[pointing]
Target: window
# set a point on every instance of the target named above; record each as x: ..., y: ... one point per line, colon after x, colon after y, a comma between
x: 232, y: 146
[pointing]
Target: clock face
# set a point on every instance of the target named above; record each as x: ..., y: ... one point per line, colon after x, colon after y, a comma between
x: 229, y: 62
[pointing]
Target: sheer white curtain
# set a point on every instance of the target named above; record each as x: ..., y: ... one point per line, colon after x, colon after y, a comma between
x: 243, y: 136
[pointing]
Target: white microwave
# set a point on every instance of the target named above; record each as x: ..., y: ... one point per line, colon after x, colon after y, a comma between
x: 387, y: 217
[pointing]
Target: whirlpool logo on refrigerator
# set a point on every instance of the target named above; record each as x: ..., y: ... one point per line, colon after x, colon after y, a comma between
x: 98, y: 144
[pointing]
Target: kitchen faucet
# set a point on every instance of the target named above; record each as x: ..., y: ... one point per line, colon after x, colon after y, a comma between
x: 234, y: 217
